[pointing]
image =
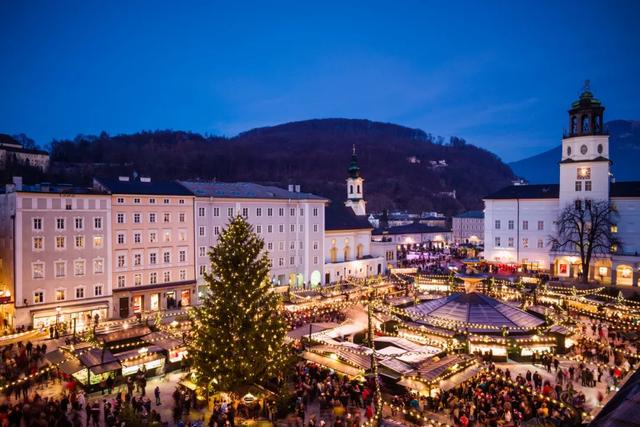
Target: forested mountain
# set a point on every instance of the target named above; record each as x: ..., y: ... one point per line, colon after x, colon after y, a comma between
x: 395, y: 161
x: 624, y: 148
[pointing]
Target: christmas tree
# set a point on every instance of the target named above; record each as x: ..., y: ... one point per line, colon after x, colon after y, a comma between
x: 238, y: 332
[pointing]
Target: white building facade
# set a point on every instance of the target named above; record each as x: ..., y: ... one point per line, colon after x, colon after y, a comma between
x: 468, y: 227
x: 291, y: 224
x: 519, y: 220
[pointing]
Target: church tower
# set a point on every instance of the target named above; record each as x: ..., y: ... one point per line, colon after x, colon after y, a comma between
x: 355, y: 187
x: 585, y: 164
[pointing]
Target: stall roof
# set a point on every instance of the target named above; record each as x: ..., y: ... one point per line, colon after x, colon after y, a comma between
x: 163, y: 341
x: 96, y: 357
x: 391, y: 351
x: 397, y: 366
x: 433, y: 369
x: 125, y: 334
x: 336, y: 365
x: 105, y: 367
x: 136, y: 352
x: 363, y: 361
x: 150, y: 357
x: 71, y: 366
x: 56, y: 356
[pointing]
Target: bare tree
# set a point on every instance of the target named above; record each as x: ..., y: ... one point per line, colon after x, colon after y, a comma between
x: 586, y: 227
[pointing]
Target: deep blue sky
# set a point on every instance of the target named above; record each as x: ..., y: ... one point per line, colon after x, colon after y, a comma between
x: 500, y: 74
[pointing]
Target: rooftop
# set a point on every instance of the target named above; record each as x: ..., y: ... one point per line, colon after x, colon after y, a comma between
x: 337, y: 216
x: 244, y: 190
x: 143, y: 186
x: 551, y: 191
x: 470, y: 214
x: 410, y: 229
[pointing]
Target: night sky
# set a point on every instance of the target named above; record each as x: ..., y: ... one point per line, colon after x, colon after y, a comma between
x: 499, y: 74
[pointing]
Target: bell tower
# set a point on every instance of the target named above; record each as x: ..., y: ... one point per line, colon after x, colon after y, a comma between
x: 355, y: 187
x: 585, y: 164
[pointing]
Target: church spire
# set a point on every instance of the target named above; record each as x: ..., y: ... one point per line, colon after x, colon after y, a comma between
x: 354, y: 169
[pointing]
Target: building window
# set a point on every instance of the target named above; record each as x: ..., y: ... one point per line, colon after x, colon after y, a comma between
x: 153, y: 237
x: 78, y: 223
x: 281, y: 245
x: 202, y: 270
x: 229, y: 212
x: 166, y: 217
x: 120, y: 218
x: 167, y: 276
x: 509, y: 224
x: 137, y: 237
x: 121, y: 261
x: 153, y: 278
x: 137, y: 279
x: 166, y: 236
x: 97, y: 242
x: 258, y: 211
x: 292, y: 212
x: 245, y: 212
x: 200, y: 211
x: 269, y: 211
x: 315, y: 259
x: 136, y: 201
x: 578, y: 185
x: 60, y: 294
x: 181, y: 217
x: 587, y: 186
x: 97, y: 223
x: 497, y: 224
x: 60, y: 224
x: 37, y: 270
x: 166, y: 257
x: 38, y: 243
x: 614, y: 228
x: 79, y: 242
x: 166, y: 201
x: 301, y: 212
x: 269, y: 228
x: 98, y: 266
x: 216, y: 230
x: 258, y: 229
x: 540, y: 244
x: 152, y: 201
x: 525, y: 242
x: 78, y: 268
x: 578, y: 204
x: 201, y: 231
x: 270, y: 246
x: 136, y: 218
x: 315, y: 211
x: 60, y: 269
x: 216, y: 211
x: 525, y: 225
x: 152, y: 217
x: 182, y: 256
x: 280, y: 211
x: 79, y: 293
x: 510, y: 242
x: 37, y: 224
x: 121, y: 281
x: 292, y: 228
x: 540, y: 225
x: 153, y: 258
x: 292, y: 245
x: 120, y: 238
x: 315, y: 245
x: 497, y: 241
x: 315, y: 228
x: 97, y: 290
x: 38, y: 297
x: 61, y: 242
x: 183, y: 274
x: 182, y: 235
x: 137, y: 259
x: 120, y: 200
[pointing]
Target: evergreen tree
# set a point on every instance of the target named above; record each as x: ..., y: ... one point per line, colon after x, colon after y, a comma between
x: 238, y: 332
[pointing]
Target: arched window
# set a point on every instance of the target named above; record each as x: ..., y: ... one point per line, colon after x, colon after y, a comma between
x: 347, y: 253
x: 568, y: 151
x: 333, y: 254
x: 574, y: 125
x: 598, y: 124
x: 585, y: 124
x: 351, y: 189
x: 358, y: 189
x: 360, y: 251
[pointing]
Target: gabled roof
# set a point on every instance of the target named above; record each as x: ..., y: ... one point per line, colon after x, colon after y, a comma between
x: 529, y: 191
x: 470, y: 214
x: 337, y: 216
x: 597, y: 159
x: 158, y: 188
x: 415, y: 228
x: 244, y: 190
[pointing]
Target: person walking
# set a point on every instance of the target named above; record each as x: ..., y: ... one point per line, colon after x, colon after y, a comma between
x: 156, y: 393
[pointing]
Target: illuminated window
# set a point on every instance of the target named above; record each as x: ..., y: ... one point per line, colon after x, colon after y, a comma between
x: 60, y: 294
x: 38, y: 297
x: 614, y: 228
x: 37, y: 270
x: 38, y: 243
x: 584, y: 173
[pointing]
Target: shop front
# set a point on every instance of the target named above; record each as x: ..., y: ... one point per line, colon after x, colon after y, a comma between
x: 153, y: 298
x: 146, y: 359
x: 71, y: 318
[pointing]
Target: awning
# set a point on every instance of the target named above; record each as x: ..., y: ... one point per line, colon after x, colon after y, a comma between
x: 71, y: 366
x: 56, y: 356
x: 163, y: 341
x: 106, y: 367
x: 138, y: 361
x: 125, y: 334
x: 336, y: 365
x: 188, y: 384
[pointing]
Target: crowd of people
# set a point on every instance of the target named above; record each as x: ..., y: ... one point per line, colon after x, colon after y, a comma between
x: 19, y: 361
x: 490, y: 399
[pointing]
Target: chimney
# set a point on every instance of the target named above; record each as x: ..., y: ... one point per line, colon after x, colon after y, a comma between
x: 291, y: 188
x: 145, y: 179
x: 17, y: 181
x: 297, y: 188
x: 123, y: 178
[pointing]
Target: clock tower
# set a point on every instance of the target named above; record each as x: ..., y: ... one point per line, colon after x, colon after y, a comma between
x: 355, y: 187
x: 585, y: 164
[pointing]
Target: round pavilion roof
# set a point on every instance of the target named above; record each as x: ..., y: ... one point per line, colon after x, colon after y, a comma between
x: 475, y: 309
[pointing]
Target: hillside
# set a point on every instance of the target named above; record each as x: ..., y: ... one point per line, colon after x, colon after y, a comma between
x: 313, y: 153
x: 624, y: 144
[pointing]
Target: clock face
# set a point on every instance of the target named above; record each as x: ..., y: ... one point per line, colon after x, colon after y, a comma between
x: 583, y: 149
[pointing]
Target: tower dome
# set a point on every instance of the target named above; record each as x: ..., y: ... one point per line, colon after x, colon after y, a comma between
x: 586, y: 114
